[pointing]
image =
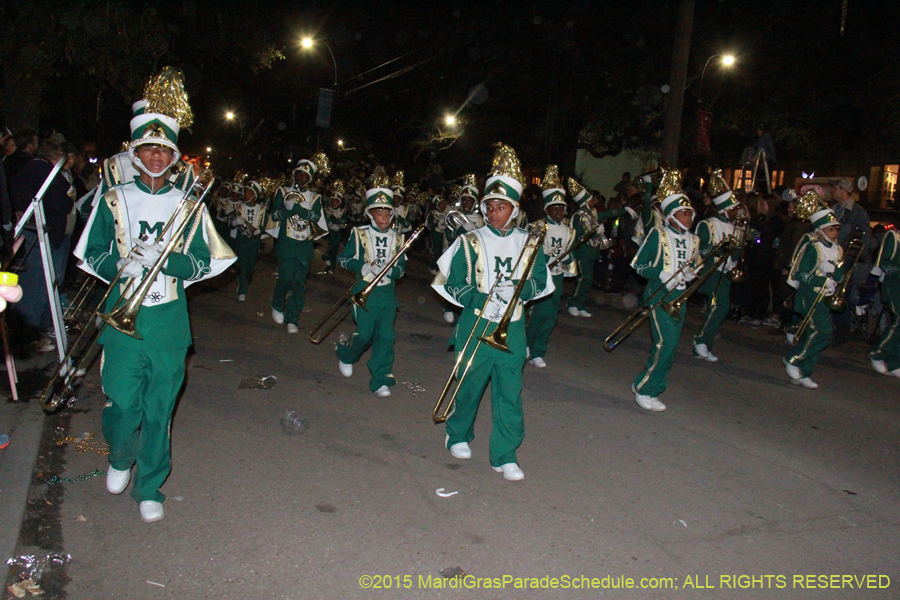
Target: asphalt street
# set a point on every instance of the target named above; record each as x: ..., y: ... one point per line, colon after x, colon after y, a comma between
x: 742, y: 489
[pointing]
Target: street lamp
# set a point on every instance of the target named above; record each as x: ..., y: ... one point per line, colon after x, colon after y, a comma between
x: 450, y: 120
x: 727, y: 61
x: 308, y: 42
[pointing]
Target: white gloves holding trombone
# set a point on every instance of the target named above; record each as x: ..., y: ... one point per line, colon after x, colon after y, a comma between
x: 500, y: 298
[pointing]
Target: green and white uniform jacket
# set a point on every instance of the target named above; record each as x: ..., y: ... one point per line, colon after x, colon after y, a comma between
x: 131, y: 212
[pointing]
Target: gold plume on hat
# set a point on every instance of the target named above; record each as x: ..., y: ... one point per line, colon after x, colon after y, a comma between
x: 398, y: 179
x: 165, y: 95
x: 337, y: 187
x: 808, y: 204
x: 551, y: 178
x: 717, y: 185
x: 240, y: 176
x: 575, y: 188
x: 321, y: 162
x: 471, y: 180
x: 380, y: 181
x: 670, y: 184
x: 270, y: 185
x: 506, y: 164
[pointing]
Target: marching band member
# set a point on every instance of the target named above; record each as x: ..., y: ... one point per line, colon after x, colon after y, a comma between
x: 247, y: 222
x: 665, y: 251
x: 368, y: 250
x: 300, y: 221
x: 558, y: 240
x: 717, y: 288
x: 468, y: 271
x: 586, y: 256
x: 885, y: 355
x: 468, y: 194
x: 818, y: 265
x: 336, y: 215
x: 401, y: 222
x: 141, y: 377
x: 434, y: 222
x: 223, y: 209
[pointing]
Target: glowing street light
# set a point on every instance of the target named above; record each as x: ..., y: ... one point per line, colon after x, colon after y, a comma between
x: 208, y: 149
x: 307, y: 43
x: 450, y: 120
x: 727, y: 61
x: 229, y: 115
x: 340, y: 143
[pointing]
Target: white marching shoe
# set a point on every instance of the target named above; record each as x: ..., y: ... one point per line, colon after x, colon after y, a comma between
x: 584, y: 313
x: 449, y: 316
x: 242, y: 297
x: 277, y: 316
x: 383, y: 392
x: 807, y: 383
x: 116, y: 480
x: 895, y: 373
x: 538, y: 362
x: 292, y: 328
x: 573, y: 311
x: 511, y: 472
x: 346, y: 370
x: 792, y: 371
x: 879, y: 366
x: 702, y: 351
x: 151, y: 511
x: 643, y: 400
x: 461, y: 450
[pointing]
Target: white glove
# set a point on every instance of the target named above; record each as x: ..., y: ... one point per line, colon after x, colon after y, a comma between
x: 133, y: 268
x: 830, y: 287
x: 674, y: 282
x: 147, y: 254
x: 289, y: 204
x: 504, y: 291
x: 367, y: 270
x: 689, y: 274
x: 631, y: 213
x: 235, y: 222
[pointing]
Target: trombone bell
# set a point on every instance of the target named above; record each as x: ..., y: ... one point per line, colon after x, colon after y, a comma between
x: 497, y: 339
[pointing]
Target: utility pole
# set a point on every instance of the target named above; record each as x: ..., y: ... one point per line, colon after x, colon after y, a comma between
x: 678, y: 76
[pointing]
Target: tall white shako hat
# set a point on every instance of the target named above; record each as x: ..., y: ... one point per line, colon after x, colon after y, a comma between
x: 398, y: 185
x: 469, y: 187
x: 504, y: 182
x: 256, y: 187
x: 577, y: 192
x: 721, y: 194
x: 379, y: 195
x: 672, y: 199
x: 317, y: 165
x: 551, y: 187
x: 821, y: 218
x: 164, y: 112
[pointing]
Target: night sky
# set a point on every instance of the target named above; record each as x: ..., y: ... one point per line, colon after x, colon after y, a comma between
x: 549, y: 69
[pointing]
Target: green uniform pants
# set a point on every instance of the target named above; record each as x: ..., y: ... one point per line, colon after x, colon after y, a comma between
x: 544, y: 313
x: 142, y: 386
x: 665, y: 333
x: 585, y: 282
x: 334, y: 244
x: 247, y: 250
x: 718, y: 302
x: 375, y: 328
x: 888, y: 346
x: 292, y: 272
x: 815, y: 339
x: 504, y: 372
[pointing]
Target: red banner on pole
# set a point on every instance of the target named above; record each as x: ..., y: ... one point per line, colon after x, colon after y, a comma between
x: 704, y: 126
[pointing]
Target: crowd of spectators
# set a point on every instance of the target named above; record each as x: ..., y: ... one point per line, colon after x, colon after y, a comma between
x: 28, y: 159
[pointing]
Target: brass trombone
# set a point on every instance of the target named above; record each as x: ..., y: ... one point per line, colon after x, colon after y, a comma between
x: 497, y: 339
x: 737, y: 274
x: 725, y: 247
x: 124, y: 314
x: 836, y: 302
x: 319, y: 331
x: 637, y: 318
